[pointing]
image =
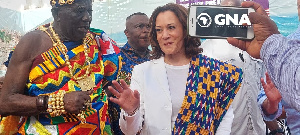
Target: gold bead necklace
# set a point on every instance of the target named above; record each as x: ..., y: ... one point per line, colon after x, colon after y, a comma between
x: 85, y: 82
x: 64, y: 51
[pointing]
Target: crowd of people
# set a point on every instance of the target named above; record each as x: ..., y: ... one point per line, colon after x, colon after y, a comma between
x: 68, y: 78
x: 9, y: 36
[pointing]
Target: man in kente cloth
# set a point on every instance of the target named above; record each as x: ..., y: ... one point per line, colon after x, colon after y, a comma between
x: 64, y: 66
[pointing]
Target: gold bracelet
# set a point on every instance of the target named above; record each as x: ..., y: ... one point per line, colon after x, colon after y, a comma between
x: 56, y: 104
x: 81, y: 117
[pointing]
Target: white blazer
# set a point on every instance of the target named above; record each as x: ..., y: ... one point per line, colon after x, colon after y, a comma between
x: 154, y: 115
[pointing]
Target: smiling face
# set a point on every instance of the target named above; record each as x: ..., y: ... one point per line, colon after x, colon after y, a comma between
x: 74, y: 20
x: 137, y: 30
x: 169, y: 32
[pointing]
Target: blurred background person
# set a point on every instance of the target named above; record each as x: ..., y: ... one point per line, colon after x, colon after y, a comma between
x: 247, y: 116
x: 134, y: 52
x: 279, y: 53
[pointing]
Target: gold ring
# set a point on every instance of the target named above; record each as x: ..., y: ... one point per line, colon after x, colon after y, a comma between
x: 81, y: 117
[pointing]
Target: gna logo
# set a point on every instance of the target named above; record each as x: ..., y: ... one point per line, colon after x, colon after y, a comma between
x: 204, y: 20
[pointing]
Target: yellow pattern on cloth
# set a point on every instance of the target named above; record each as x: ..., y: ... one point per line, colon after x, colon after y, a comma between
x: 210, y: 89
x: 9, y: 125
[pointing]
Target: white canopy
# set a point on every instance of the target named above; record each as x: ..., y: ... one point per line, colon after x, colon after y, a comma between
x: 13, y: 15
x: 109, y: 15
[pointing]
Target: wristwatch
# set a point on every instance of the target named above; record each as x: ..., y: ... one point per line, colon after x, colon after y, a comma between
x: 274, y: 132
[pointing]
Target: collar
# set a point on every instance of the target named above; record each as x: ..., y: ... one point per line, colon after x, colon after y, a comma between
x: 128, y: 48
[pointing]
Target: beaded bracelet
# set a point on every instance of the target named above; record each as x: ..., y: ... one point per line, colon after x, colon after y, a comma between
x: 56, y: 104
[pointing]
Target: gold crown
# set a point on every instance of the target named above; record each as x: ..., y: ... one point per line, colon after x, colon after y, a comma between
x: 61, y: 2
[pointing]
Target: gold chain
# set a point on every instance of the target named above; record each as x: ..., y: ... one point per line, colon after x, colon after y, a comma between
x: 64, y: 51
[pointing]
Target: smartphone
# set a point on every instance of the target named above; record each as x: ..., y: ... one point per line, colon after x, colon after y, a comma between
x: 220, y: 22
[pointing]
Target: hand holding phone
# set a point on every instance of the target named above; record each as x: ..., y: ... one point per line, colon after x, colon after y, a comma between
x: 220, y: 22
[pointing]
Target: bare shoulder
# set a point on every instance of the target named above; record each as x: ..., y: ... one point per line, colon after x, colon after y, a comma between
x: 32, y: 44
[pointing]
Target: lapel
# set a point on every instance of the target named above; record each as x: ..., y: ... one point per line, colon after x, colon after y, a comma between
x: 161, y: 76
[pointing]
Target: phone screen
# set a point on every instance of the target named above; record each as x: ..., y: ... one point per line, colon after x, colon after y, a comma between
x: 216, y: 21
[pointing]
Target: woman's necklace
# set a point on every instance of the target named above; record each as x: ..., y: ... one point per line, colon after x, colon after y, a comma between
x: 85, y: 82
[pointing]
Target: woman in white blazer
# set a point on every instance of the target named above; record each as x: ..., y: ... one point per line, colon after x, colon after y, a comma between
x: 180, y: 91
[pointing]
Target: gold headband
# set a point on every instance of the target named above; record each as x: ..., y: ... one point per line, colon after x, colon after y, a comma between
x: 61, y: 2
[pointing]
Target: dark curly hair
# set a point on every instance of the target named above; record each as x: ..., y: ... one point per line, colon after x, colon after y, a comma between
x: 192, y: 44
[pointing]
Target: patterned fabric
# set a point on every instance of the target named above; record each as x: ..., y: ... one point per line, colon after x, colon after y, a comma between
x: 247, y: 116
x: 50, y: 74
x: 129, y: 59
x: 9, y: 125
x: 210, y: 89
x: 284, y: 126
x: 9, y: 56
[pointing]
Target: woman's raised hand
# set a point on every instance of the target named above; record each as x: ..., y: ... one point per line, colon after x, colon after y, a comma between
x: 127, y: 99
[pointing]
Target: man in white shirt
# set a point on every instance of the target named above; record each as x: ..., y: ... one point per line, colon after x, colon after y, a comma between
x: 247, y: 116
